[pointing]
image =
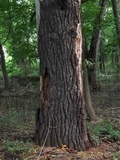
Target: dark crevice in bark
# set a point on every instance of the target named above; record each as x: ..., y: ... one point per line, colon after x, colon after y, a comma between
x: 63, y: 4
x: 45, y: 88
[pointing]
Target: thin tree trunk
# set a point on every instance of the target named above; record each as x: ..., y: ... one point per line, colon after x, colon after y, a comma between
x: 3, y: 67
x: 102, y: 58
x: 61, y: 117
x: 88, y: 103
x: 95, y: 42
x: 102, y: 63
x: 115, y: 6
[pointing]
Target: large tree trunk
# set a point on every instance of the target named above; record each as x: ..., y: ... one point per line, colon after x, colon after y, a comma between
x: 95, y: 42
x: 61, y: 117
x: 3, y: 67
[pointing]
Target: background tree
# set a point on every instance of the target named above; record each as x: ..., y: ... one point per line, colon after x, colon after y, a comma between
x: 86, y: 88
x: 116, y: 12
x: 3, y: 67
x: 95, y: 43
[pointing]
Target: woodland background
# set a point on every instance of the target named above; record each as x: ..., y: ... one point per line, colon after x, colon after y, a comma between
x: 19, y: 78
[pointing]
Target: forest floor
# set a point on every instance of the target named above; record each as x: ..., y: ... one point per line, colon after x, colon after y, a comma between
x: 17, y: 125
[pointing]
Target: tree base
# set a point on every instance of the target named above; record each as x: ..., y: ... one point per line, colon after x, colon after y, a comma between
x: 69, y: 134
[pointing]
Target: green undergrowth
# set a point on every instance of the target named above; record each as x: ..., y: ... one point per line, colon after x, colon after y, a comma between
x: 105, y: 131
x: 11, y: 119
x: 16, y: 118
x: 17, y: 146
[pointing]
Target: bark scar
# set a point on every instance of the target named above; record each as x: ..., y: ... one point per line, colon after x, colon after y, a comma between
x: 45, y: 88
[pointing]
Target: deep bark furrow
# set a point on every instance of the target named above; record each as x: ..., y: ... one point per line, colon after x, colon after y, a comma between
x: 69, y: 136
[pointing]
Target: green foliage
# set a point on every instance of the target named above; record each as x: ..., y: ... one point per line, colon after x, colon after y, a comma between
x: 18, y: 35
x: 109, y: 42
x: 89, y: 63
x: 89, y: 11
x: 22, y: 70
x: 17, y: 146
x: 105, y: 130
x: 12, y: 69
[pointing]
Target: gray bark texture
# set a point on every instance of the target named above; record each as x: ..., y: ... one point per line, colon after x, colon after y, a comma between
x: 61, y: 117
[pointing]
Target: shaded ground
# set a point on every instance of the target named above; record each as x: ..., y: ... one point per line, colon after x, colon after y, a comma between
x: 17, y: 125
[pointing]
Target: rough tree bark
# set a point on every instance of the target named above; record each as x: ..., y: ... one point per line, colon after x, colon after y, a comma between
x: 94, y: 46
x: 61, y: 118
x: 3, y: 67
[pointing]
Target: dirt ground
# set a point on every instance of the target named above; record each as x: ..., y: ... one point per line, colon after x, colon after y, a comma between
x: 17, y: 125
